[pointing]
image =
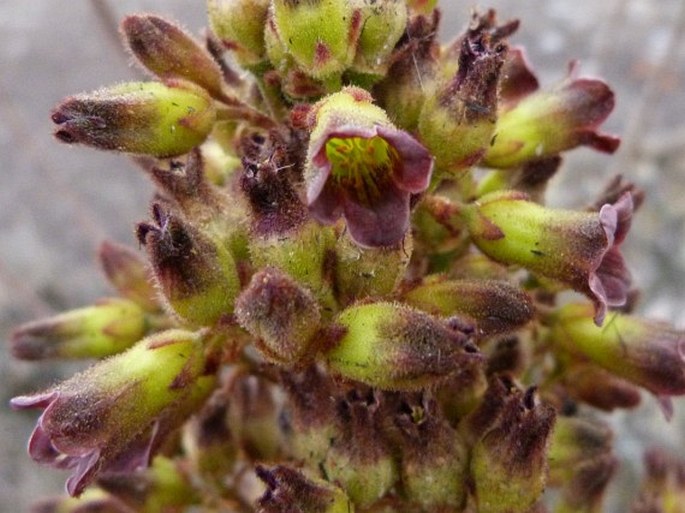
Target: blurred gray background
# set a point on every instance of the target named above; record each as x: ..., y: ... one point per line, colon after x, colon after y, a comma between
x: 58, y: 203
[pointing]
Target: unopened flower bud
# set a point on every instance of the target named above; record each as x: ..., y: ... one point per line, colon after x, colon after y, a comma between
x: 401, y: 92
x: 649, y: 353
x: 170, y: 53
x: 359, y: 458
x: 509, y: 463
x: 360, y: 167
x: 113, y: 416
x: 493, y: 306
x: 196, y: 274
x: 281, y: 314
x: 239, y: 25
x: 106, y: 328
x: 580, y: 249
x: 309, y: 420
x: 138, y: 117
x: 433, y: 468
x: 548, y: 122
x: 585, y: 490
x: 395, y: 347
x: 128, y: 273
x: 383, y: 24
x: 320, y: 35
x: 291, y: 490
x: 164, y: 486
x: 457, y: 122
x: 369, y: 272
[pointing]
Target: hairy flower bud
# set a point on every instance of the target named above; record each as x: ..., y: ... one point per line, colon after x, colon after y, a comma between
x: 509, y: 462
x: 359, y: 459
x: 650, y: 354
x: 493, y: 306
x: 195, y: 273
x: 433, y: 457
x: 395, y: 347
x: 113, y: 416
x: 138, y: 117
x: 281, y: 314
x: 239, y: 25
x: 550, y: 121
x: 106, y: 328
x: 292, y: 491
x: 361, y: 167
x: 170, y: 53
x: 580, y: 249
x: 383, y: 24
x: 597, y: 387
x: 320, y: 35
x: 128, y: 273
x: 369, y: 272
x: 457, y: 121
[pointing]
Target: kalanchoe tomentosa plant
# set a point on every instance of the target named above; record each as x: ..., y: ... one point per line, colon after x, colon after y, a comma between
x: 348, y: 294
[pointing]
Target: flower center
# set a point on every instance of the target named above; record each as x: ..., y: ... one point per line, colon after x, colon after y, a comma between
x: 362, y: 166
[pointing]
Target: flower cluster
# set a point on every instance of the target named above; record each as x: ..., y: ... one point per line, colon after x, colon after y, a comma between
x: 348, y: 297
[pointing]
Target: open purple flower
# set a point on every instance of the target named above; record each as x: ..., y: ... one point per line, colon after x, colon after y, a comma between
x: 363, y: 168
x: 112, y: 417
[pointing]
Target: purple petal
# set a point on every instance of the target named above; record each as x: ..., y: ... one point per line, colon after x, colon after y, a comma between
x: 414, y: 173
x: 24, y: 402
x: 86, y: 468
x: 327, y: 207
x: 384, y: 225
x: 40, y: 447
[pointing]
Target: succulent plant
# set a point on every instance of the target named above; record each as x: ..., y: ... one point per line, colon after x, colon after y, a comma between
x: 350, y: 294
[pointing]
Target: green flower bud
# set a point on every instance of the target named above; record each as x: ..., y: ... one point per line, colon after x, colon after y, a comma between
x: 383, y: 23
x: 170, y: 53
x: 128, y: 273
x: 457, y: 120
x: 164, y: 486
x: 433, y: 469
x: 493, y: 306
x: 291, y: 490
x: 106, y: 328
x: 196, y: 274
x: 119, y: 411
x: 580, y: 249
x: 359, y: 459
x: 305, y: 254
x: 239, y: 25
x: 647, y: 353
x: 309, y: 419
x: 138, y: 117
x: 395, y: 347
x: 548, y: 122
x: 369, y: 272
x: 320, y: 35
x: 282, y: 315
x: 509, y: 463
x: 402, y: 92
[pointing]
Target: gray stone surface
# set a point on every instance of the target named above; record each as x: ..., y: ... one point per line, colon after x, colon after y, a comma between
x: 58, y: 203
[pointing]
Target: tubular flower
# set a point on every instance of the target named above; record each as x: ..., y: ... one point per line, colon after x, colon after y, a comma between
x: 581, y: 249
x: 112, y: 417
x: 361, y: 167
